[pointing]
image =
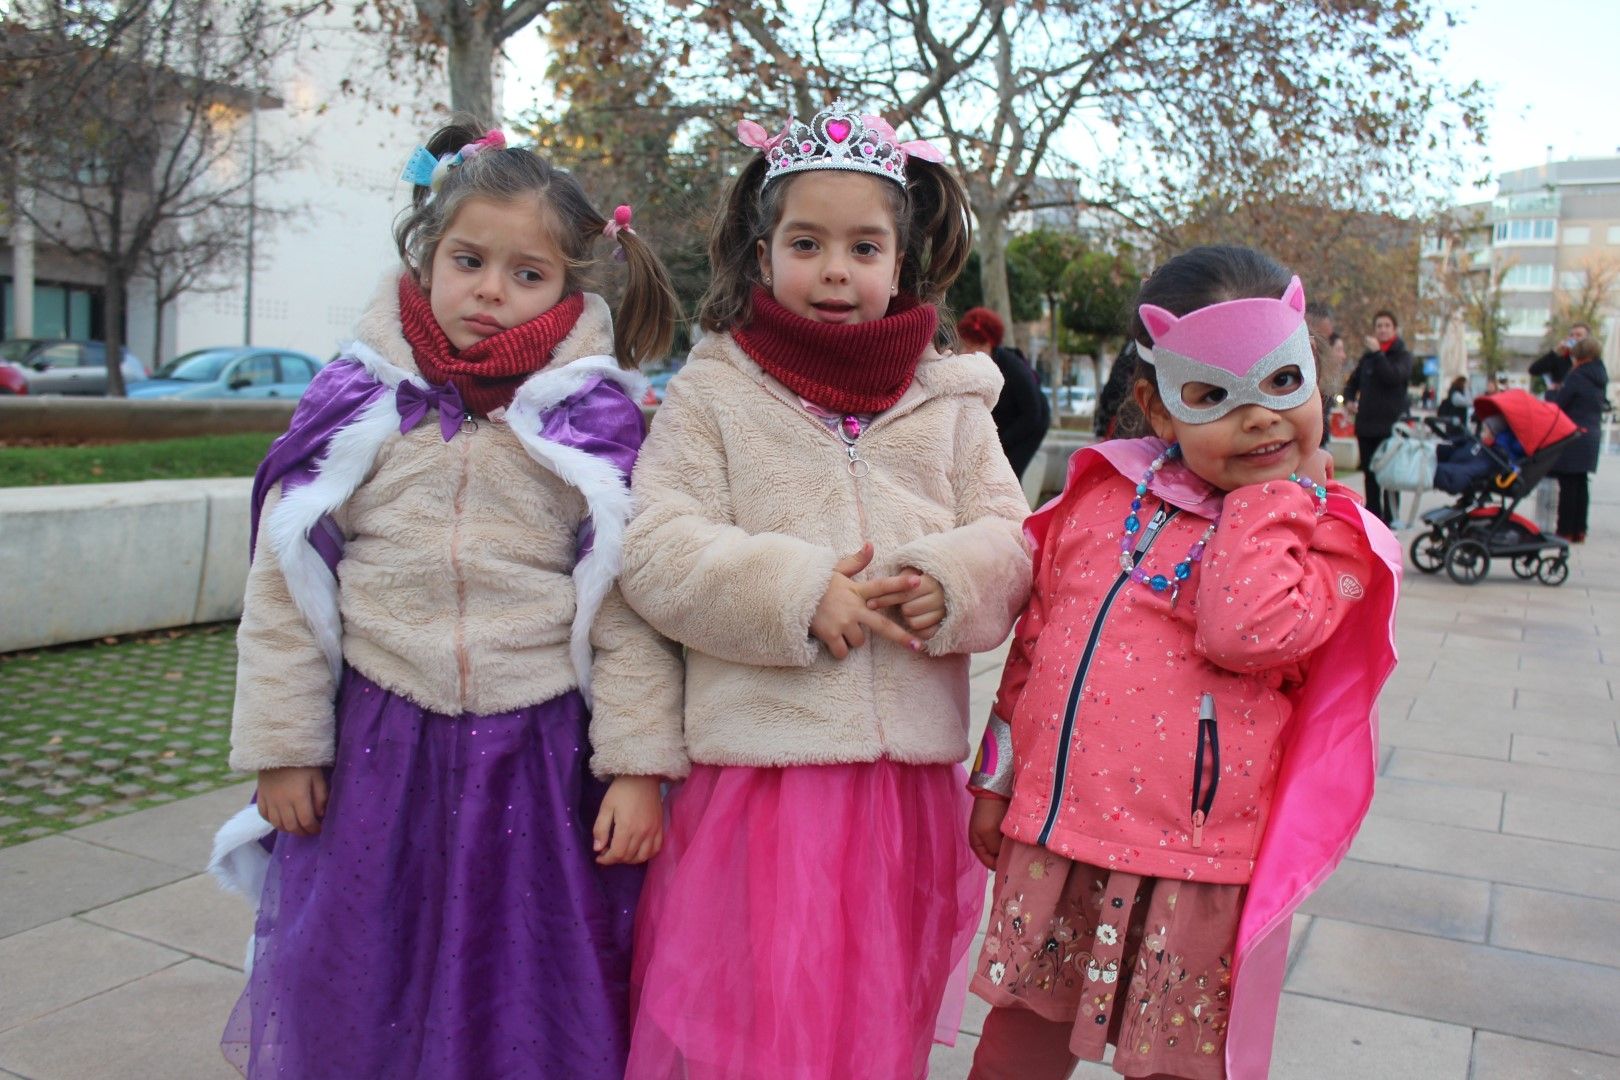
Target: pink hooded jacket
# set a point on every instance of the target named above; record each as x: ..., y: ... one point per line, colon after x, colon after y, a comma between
x: 1114, y: 768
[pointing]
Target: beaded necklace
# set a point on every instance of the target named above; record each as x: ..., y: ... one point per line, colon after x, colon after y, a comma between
x: 1195, y: 554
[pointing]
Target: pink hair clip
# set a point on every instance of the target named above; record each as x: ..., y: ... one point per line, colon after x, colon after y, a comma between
x: 493, y: 139
x: 751, y: 134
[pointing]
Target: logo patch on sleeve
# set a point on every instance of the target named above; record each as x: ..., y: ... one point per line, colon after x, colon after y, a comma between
x: 1350, y: 588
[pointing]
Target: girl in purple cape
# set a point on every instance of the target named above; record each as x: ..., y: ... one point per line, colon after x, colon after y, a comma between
x: 458, y: 727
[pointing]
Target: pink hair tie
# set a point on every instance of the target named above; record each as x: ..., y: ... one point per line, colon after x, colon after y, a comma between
x: 493, y: 139
x: 619, y: 222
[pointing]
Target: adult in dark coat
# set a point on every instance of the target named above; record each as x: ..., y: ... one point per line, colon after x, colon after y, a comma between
x: 1554, y: 364
x: 1116, y: 392
x: 1583, y: 395
x: 1377, y: 390
x: 1022, y: 413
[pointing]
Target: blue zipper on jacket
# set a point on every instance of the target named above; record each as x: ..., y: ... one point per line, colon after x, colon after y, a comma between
x: 1160, y: 518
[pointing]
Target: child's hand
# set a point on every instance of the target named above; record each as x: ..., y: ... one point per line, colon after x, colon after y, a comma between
x: 630, y: 826
x: 293, y: 799
x: 921, y: 608
x: 843, y: 621
x: 984, y: 829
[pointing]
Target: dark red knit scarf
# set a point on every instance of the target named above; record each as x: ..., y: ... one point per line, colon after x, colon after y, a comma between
x: 852, y: 368
x: 489, y: 373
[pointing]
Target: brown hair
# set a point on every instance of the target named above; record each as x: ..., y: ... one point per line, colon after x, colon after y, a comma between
x: 1586, y: 349
x: 931, y: 217
x: 645, y: 322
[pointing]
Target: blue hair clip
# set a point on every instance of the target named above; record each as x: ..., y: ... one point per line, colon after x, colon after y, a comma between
x: 419, y: 169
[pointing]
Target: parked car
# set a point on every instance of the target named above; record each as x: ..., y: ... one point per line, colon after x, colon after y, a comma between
x: 58, y: 366
x: 233, y: 371
x: 1077, y: 401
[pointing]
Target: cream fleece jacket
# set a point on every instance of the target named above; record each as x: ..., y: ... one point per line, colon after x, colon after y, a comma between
x: 745, y: 502
x: 455, y: 592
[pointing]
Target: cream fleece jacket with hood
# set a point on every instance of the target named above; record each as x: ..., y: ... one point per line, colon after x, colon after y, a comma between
x: 745, y: 503
x: 455, y: 592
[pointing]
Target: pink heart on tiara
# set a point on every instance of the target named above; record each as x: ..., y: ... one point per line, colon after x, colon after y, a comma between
x: 838, y: 129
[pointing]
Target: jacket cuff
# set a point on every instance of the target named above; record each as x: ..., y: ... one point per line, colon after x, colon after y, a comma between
x: 992, y: 774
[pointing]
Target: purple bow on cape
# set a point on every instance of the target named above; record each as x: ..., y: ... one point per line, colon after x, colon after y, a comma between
x: 413, y: 403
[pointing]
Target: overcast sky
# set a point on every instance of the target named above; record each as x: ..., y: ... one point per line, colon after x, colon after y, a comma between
x: 1546, y: 65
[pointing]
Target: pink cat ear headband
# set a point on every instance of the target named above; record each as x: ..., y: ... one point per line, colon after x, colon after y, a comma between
x: 836, y: 139
x: 1236, y: 346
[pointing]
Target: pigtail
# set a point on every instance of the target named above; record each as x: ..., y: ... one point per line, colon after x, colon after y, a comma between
x: 939, y: 239
x: 644, y: 325
x: 733, y: 253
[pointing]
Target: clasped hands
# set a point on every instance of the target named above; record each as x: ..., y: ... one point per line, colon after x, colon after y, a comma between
x: 852, y: 611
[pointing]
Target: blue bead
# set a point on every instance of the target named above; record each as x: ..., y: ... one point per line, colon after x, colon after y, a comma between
x: 1141, y: 489
x: 1159, y: 583
x: 1132, y: 523
x: 1183, y: 571
x: 1136, y: 504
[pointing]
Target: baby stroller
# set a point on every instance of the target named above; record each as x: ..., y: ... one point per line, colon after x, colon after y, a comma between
x: 1517, y: 440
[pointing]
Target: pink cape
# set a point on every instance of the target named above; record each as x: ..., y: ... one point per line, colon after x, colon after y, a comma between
x: 1325, y: 784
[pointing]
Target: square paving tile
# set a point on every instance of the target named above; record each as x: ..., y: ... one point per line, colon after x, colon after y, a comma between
x: 194, y: 915
x: 164, y: 1025
x: 1536, y: 997
x: 1415, y: 900
x: 1566, y: 754
x: 1412, y: 800
x: 180, y: 833
x: 1329, y: 1040
x: 1502, y: 1057
x: 1555, y: 819
x: 54, y: 877
x: 1471, y: 853
x: 1556, y: 924
x: 66, y: 961
x: 1510, y: 776
x: 1446, y: 738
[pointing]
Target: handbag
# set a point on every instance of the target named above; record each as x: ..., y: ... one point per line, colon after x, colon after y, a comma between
x: 1405, y: 461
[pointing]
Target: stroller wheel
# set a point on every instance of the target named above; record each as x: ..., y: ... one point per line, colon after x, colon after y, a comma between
x: 1467, y: 561
x: 1526, y: 566
x: 1428, y: 552
x: 1553, y: 571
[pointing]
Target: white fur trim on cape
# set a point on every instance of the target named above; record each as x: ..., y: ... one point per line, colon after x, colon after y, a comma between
x: 354, y: 448
x: 239, y: 861
x: 606, y: 490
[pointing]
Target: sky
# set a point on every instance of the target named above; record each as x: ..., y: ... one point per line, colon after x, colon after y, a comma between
x: 1532, y: 56
x: 1529, y: 56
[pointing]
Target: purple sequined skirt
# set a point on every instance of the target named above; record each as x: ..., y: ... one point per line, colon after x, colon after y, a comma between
x: 449, y: 920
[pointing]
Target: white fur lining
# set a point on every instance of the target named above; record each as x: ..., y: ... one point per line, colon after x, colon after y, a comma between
x: 606, y: 491
x: 354, y: 448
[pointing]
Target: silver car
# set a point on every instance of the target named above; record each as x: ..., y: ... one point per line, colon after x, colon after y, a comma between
x: 67, y: 367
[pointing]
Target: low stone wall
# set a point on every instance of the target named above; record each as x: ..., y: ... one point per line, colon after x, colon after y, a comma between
x: 73, y: 419
x: 83, y: 561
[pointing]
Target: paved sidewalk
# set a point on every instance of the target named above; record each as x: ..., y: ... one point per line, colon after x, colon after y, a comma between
x: 1474, y: 933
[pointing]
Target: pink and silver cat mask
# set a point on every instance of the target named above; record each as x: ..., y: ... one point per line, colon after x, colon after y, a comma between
x: 1237, y: 346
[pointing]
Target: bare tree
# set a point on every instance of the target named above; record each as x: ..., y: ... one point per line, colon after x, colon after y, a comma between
x: 130, y: 127
x: 1591, y: 299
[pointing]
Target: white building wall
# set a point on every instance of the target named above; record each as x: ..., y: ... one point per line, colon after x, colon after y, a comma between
x: 317, y: 268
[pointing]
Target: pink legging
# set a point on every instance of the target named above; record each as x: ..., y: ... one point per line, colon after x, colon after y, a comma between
x: 1018, y: 1044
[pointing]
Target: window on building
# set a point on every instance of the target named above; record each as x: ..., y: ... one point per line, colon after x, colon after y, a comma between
x: 1577, y: 234
x: 1572, y: 280
x: 1614, y: 234
x: 1528, y: 276
x: 1526, y: 322
x: 1527, y: 231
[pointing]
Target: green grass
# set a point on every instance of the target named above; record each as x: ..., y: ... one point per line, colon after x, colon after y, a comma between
x: 107, y: 727
x: 167, y: 459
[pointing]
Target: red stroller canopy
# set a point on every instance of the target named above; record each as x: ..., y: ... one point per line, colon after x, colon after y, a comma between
x: 1535, y: 423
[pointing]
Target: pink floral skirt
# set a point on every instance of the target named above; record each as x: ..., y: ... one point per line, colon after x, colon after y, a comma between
x: 1144, y: 963
x: 805, y: 923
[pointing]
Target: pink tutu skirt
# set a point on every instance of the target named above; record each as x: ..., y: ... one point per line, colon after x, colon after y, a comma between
x: 805, y: 922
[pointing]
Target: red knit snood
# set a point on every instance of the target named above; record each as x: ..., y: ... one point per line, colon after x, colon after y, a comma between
x: 853, y: 368
x: 489, y: 373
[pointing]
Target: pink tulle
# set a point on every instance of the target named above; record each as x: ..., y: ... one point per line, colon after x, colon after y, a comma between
x: 805, y: 923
